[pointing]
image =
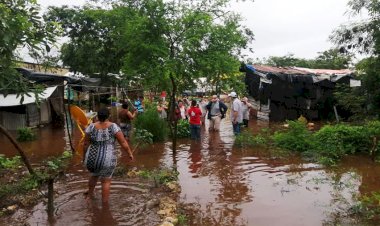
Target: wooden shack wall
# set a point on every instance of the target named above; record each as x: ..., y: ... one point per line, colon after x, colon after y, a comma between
x: 287, y: 100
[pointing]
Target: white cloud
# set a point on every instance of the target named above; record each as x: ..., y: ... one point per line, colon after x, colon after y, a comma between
x: 45, y: 3
x: 301, y: 27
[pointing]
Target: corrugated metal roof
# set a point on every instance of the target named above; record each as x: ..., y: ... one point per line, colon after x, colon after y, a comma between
x: 284, y: 70
x: 13, y: 100
x: 301, y: 71
x: 326, y: 71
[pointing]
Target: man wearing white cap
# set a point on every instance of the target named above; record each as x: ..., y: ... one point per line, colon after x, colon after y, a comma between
x: 236, y: 113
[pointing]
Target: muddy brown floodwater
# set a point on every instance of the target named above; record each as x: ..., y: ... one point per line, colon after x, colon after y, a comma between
x: 221, y: 185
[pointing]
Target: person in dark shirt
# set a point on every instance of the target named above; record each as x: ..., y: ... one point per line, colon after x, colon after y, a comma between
x: 216, y: 112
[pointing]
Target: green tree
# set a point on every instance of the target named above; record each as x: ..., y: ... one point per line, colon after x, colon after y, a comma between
x: 288, y: 60
x: 159, y: 45
x: 364, y: 38
x: 20, y: 26
x: 94, y: 35
x: 329, y: 59
x: 183, y: 40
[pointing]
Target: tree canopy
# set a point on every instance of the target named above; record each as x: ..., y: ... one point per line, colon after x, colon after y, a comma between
x: 364, y: 36
x: 329, y: 59
x: 153, y: 41
x: 20, y: 26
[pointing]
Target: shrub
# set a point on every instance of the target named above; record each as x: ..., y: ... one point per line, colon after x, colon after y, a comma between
x: 22, y: 186
x: 373, y: 128
x: 165, y: 175
x: 331, y: 142
x: 9, y: 163
x: 160, y: 176
x: 183, y: 129
x: 336, y: 141
x: 368, y: 206
x: 151, y: 122
x: 182, y: 219
x: 25, y: 134
x: 295, y: 138
x: 57, y: 164
x: 142, y: 136
x: 247, y: 139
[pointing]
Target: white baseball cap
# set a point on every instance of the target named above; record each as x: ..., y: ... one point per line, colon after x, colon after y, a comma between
x: 232, y: 94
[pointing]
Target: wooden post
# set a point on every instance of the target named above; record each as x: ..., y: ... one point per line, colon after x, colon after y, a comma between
x: 50, y: 204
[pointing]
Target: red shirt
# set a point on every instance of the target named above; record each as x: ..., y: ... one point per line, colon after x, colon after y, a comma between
x: 195, y: 115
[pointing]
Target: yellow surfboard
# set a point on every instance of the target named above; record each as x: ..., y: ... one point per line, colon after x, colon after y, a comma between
x: 81, y: 118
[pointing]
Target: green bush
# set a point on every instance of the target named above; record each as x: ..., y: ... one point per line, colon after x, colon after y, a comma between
x: 57, y: 164
x: 182, y: 219
x: 373, y: 128
x: 9, y: 163
x: 160, y: 176
x: 25, y: 134
x: 183, y: 129
x: 247, y: 139
x: 368, y: 206
x: 142, y: 136
x: 331, y: 142
x: 295, y: 138
x: 22, y: 186
x: 165, y: 175
x: 151, y: 122
x: 336, y: 141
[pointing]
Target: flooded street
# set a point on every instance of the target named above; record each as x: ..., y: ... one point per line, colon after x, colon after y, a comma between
x: 234, y: 186
x: 221, y: 185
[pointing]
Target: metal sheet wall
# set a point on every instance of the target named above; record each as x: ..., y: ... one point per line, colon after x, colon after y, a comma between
x: 13, y: 121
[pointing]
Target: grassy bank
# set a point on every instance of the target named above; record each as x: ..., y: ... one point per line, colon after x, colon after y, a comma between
x: 326, y: 146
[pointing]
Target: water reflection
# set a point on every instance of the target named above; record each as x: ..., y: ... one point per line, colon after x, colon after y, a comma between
x: 195, y: 157
x: 102, y: 216
x: 218, y: 186
x: 50, y: 142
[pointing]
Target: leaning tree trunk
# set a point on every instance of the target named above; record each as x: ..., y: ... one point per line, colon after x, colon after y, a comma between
x: 19, y: 149
x: 172, y: 116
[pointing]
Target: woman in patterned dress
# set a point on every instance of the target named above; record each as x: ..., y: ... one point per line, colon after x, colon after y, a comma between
x: 100, y: 154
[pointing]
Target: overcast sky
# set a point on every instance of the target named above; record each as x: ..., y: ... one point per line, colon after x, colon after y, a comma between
x: 301, y: 27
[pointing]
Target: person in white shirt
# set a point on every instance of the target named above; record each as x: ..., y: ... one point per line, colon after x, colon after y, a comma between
x: 183, y: 109
x: 203, y: 108
x: 236, y: 116
x: 246, y: 108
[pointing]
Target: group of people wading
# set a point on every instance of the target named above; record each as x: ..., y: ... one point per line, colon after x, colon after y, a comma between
x: 100, y: 154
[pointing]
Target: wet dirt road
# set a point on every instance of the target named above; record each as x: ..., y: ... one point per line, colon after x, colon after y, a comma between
x: 224, y: 185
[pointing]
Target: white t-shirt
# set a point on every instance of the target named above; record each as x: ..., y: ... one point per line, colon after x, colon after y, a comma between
x: 183, y: 112
x: 237, y: 106
x: 246, y: 107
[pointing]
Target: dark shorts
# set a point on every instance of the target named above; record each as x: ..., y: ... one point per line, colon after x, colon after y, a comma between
x: 126, y: 129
